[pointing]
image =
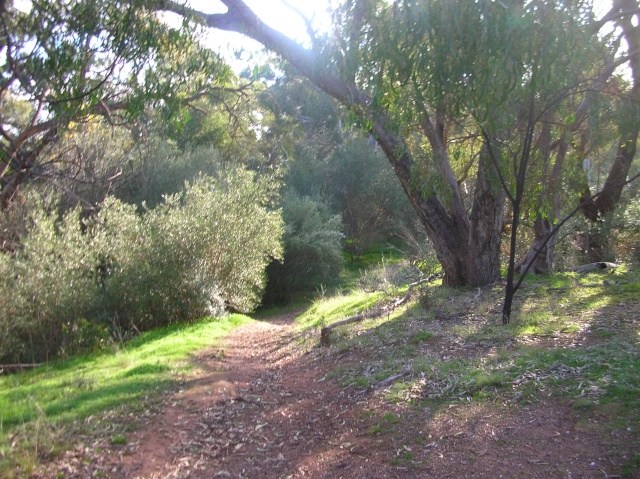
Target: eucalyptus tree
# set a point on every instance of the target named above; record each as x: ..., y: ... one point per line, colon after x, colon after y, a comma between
x: 625, y: 15
x: 326, y: 156
x: 452, y: 91
x: 68, y: 62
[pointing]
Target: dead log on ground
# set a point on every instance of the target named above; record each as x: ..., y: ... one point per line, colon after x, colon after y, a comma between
x: 325, y: 333
x: 600, y: 265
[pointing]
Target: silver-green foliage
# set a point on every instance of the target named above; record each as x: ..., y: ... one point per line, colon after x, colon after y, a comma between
x: 46, y: 287
x: 203, y: 249
x: 312, y: 248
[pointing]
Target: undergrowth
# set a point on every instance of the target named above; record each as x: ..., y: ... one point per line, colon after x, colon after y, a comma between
x: 573, y: 338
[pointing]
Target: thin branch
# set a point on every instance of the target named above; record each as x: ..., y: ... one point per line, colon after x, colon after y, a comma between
x: 565, y: 219
x: 503, y: 182
x: 308, y: 24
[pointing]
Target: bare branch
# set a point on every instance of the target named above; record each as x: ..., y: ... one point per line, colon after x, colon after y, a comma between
x: 308, y: 23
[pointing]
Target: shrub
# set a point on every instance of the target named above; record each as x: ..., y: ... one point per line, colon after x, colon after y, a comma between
x: 196, y: 253
x: 312, y: 249
x: 200, y: 251
x: 368, y: 196
x: 46, y: 287
x: 227, y: 226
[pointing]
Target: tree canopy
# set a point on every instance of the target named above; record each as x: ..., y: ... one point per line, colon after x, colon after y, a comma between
x: 457, y: 95
x: 467, y: 100
x: 69, y: 62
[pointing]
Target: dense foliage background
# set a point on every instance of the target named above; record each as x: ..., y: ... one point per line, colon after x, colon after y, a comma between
x: 144, y: 183
x: 73, y: 283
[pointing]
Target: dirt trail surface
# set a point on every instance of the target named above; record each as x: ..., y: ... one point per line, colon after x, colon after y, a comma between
x: 264, y: 407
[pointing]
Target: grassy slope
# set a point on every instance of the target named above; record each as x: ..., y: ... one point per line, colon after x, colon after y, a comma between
x: 573, y: 337
x: 51, y: 401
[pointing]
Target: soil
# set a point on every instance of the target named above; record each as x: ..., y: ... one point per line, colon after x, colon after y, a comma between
x: 263, y: 406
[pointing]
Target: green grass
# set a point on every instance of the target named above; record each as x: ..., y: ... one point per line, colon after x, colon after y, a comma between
x: 69, y: 392
x: 328, y: 310
x: 355, y: 266
x: 631, y: 467
x: 574, y: 342
x: 573, y: 337
x: 391, y: 418
x: 421, y: 336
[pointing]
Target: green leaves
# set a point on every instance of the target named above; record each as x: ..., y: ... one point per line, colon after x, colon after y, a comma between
x: 75, y: 59
x: 202, y: 250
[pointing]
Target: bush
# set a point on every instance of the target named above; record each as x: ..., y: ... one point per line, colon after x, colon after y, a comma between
x: 160, y: 169
x: 197, y: 253
x: 46, y: 288
x: 312, y: 249
x: 369, y: 197
x: 200, y: 251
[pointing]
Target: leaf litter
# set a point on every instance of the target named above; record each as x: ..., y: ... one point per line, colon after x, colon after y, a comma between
x: 273, y: 408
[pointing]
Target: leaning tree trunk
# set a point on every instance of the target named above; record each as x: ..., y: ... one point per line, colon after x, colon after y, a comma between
x: 596, y: 246
x: 448, y: 232
x: 447, y: 227
x: 628, y: 127
x: 539, y: 258
x: 611, y: 191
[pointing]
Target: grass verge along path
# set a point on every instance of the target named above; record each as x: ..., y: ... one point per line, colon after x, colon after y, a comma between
x: 40, y: 408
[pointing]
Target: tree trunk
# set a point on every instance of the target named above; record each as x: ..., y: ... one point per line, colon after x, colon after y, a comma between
x: 595, y: 244
x: 449, y: 234
x: 483, y: 257
x: 447, y: 227
x: 628, y: 125
x: 539, y: 258
x: 610, y: 197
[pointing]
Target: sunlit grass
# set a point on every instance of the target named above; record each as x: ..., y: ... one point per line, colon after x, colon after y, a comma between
x: 83, y: 386
x: 572, y: 337
x: 327, y: 310
x: 70, y: 391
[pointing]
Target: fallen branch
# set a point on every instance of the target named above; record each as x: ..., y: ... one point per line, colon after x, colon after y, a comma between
x: 600, y: 265
x: 325, y: 333
x: 388, y: 381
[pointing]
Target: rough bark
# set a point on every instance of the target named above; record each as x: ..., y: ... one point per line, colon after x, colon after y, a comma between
x: 539, y: 258
x: 448, y: 234
x: 486, y: 218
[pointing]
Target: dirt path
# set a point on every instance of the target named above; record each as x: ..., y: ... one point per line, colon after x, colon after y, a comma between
x: 265, y: 408
x: 261, y: 408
